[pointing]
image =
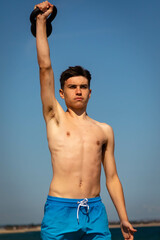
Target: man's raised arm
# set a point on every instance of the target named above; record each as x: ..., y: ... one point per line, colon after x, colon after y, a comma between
x: 43, y: 53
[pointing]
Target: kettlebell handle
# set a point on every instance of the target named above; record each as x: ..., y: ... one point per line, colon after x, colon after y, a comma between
x: 33, y: 16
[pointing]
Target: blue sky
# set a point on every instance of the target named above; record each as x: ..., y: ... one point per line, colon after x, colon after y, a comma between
x: 119, y: 42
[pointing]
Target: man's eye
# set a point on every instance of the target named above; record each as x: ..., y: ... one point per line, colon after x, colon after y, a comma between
x: 73, y: 87
x: 84, y: 86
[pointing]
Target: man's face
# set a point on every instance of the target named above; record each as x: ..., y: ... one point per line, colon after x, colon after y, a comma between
x: 76, y: 92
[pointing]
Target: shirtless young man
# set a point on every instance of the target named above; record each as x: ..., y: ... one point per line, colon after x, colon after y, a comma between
x: 78, y: 146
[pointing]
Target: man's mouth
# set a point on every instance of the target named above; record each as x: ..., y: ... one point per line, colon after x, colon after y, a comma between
x: 78, y: 98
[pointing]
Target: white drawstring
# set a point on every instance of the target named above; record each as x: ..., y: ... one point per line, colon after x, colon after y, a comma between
x: 82, y: 203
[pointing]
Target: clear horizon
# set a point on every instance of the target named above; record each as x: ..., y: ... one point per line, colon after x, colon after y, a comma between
x: 110, y: 222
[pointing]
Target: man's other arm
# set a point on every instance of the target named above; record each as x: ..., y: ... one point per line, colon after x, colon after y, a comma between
x: 114, y: 186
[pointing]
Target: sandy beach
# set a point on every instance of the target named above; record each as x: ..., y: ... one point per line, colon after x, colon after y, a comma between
x: 22, y: 230
x: 38, y: 228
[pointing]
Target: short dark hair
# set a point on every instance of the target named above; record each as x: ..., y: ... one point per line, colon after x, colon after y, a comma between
x: 73, y: 72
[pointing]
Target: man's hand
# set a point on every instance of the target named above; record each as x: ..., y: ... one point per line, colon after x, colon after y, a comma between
x: 46, y: 8
x: 127, y: 230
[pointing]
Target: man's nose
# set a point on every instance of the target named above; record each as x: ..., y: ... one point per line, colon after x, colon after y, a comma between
x: 78, y: 91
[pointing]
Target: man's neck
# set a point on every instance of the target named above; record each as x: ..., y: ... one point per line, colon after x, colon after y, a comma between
x: 77, y: 113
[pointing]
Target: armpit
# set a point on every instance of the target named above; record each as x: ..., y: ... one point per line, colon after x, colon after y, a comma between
x: 49, y: 114
x: 50, y: 110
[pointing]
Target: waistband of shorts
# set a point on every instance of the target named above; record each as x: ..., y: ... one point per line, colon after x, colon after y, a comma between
x: 72, y: 200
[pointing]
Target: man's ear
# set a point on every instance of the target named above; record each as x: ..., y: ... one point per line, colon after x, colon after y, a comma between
x: 61, y: 93
x: 90, y: 93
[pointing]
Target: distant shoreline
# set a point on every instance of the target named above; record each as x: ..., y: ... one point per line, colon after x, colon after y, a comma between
x: 23, y: 229
x: 140, y: 224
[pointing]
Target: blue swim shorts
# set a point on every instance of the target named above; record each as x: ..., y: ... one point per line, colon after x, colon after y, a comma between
x: 74, y: 219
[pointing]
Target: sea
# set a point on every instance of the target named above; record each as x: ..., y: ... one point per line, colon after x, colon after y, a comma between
x: 143, y: 233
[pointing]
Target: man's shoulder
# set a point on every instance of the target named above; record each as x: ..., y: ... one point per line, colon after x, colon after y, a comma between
x: 104, y: 126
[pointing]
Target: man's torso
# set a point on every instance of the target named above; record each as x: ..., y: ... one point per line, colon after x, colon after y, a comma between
x: 76, y: 148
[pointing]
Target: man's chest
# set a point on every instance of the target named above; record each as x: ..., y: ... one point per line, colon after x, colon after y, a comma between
x: 74, y: 134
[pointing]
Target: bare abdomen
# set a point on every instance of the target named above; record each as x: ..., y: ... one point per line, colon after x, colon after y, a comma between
x: 75, y: 180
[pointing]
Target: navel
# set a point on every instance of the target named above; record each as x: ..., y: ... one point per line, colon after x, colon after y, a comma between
x: 68, y: 134
x: 80, y: 183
